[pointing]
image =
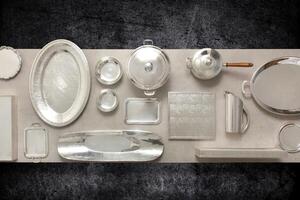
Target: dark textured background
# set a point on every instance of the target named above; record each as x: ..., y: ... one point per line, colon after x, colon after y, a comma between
x: 171, y: 24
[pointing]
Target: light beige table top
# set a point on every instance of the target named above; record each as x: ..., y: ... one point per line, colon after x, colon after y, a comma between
x: 262, y: 133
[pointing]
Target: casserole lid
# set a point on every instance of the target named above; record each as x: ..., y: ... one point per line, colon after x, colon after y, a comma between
x: 148, y: 67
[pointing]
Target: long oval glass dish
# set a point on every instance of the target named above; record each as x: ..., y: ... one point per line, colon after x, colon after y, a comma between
x: 110, y: 146
x: 59, y: 83
x: 275, y: 86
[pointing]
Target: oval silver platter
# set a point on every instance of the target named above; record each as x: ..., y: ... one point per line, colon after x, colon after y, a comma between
x: 110, y: 146
x: 59, y: 83
x: 275, y: 86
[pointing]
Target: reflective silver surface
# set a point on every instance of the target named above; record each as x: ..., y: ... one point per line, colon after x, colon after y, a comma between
x: 10, y: 62
x: 234, y: 110
x: 205, y: 64
x: 289, y: 137
x: 110, y: 146
x: 148, y: 68
x: 275, y: 86
x: 142, y: 111
x: 35, y: 142
x: 107, y: 101
x: 108, y: 71
x: 59, y: 83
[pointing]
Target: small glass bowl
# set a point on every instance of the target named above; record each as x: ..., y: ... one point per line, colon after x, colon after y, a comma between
x: 108, y: 71
x: 107, y: 101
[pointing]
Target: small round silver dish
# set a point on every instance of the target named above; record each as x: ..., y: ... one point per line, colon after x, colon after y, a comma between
x: 108, y: 71
x: 10, y: 62
x: 107, y: 101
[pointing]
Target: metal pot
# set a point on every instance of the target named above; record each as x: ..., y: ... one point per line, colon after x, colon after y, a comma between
x: 207, y: 64
x: 148, y: 68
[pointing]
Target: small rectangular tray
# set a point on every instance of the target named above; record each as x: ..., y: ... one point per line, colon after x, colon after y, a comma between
x: 142, y: 111
x: 35, y: 142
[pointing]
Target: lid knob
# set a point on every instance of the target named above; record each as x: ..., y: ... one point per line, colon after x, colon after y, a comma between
x: 208, y: 61
x: 148, y: 67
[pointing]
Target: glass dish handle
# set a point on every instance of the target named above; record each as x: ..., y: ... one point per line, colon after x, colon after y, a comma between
x: 246, y: 89
x: 188, y: 62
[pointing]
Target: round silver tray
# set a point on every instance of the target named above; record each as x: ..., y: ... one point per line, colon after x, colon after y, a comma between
x: 281, y: 95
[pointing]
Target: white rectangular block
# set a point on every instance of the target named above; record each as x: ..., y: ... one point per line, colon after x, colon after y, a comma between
x: 8, y: 128
x: 268, y: 153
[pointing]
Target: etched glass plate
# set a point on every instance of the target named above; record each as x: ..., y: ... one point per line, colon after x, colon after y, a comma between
x: 192, y: 115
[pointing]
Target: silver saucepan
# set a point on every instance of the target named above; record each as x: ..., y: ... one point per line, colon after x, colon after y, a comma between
x: 207, y: 64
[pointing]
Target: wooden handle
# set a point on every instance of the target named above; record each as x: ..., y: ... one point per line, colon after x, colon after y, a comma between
x: 240, y: 64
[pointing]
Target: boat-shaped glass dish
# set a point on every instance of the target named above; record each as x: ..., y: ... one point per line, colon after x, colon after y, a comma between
x: 110, y: 146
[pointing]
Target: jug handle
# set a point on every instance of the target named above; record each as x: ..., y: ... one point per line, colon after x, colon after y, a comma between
x: 246, y: 124
x: 246, y: 89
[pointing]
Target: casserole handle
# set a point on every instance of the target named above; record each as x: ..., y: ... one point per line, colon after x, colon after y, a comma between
x: 148, y: 42
x: 149, y: 92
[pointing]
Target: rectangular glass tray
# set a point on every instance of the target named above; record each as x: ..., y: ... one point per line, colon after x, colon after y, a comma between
x: 142, y: 111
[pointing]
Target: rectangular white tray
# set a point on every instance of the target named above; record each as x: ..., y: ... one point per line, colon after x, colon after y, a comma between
x: 262, y: 133
x: 240, y: 153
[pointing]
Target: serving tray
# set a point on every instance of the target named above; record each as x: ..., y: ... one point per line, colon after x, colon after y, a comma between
x: 110, y: 146
x: 262, y: 133
x: 59, y: 94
